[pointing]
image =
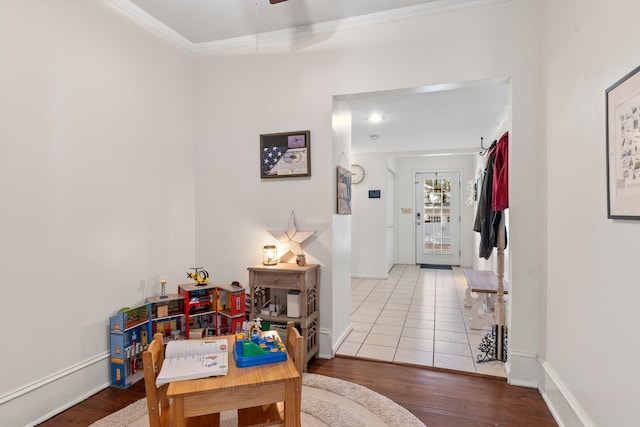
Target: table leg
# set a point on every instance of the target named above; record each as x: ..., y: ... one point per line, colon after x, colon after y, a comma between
x: 291, y: 406
x: 178, y: 412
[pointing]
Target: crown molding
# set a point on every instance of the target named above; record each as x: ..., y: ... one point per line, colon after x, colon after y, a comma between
x: 150, y: 23
x: 432, y: 8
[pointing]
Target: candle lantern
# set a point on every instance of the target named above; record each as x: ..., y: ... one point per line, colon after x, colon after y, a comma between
x: 269, y: 255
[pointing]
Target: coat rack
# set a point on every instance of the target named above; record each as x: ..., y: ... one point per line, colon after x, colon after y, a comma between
x: 494, y: 344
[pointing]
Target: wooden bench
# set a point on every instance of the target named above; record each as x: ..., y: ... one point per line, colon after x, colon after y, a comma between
x: 484, y: 284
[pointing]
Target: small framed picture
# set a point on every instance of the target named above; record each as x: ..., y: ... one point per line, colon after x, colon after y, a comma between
x: 285, y: 155
x: 623, y: 147
x: 344, y: 191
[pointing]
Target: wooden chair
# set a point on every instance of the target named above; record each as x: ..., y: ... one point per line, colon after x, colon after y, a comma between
x: 273, y: 414
x: 160, y: 411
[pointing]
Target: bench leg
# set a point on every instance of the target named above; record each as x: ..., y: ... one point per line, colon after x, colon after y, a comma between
x: 480, y: 316
x: 491, y: 302
x: 468, y: 299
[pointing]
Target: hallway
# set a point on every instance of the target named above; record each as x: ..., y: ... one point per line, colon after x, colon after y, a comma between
x: 416, y: 316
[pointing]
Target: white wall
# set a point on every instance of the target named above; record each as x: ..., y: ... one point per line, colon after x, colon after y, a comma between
x: 369, y: 218
x: 97, y: 189
x: 341, y: 241
x: 289, y: 85
x: 591, y: 346
x: 99, y: 183
x: 238, y: 98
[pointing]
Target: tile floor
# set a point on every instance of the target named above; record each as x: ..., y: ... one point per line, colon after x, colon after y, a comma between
x: 416, y: 316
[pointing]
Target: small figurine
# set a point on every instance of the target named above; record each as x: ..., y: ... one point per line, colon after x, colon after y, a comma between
x: 258, y: 322
x: 163, y: 283
x: 255, y: 326
x: 199, y: 275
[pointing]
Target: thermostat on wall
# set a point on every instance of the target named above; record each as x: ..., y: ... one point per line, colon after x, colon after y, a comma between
x: 374, y: 194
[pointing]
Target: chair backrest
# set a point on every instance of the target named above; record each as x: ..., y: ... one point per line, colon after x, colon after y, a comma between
x: 295, y: 346
x: 157, y: 400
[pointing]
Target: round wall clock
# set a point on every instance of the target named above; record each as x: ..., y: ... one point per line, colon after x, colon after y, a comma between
x: 357, y: 174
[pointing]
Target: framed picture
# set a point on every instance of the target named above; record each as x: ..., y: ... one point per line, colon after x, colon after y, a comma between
x: 285, y: 155
x: 344, y: 191
x: 623, y: 147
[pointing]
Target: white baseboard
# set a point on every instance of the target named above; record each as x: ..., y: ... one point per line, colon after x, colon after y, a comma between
x: 51, y: 378
x: 370, y: 276
x: 528, y: 370
x: 63, y: 408
x: 325, y: 343
x: 563, y: 406
x: 40, y: 400
x: 523, y: 369
x: 341, y: 339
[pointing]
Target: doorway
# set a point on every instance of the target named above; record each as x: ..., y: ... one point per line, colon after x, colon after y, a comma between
x: 420, y: 142
x: 437, y: 230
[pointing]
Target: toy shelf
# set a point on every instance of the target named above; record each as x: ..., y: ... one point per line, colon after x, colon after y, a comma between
x: 204, y: 309
x: 130, y: 330
x: 133, y: 323
x: 214, y: 309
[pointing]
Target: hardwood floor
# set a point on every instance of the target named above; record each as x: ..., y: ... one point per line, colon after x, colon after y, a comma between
x: 438, y: 398
x: 444, y: 398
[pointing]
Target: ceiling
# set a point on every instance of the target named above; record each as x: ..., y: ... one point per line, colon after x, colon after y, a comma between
x: 444, y: 118
x: 203, y: 21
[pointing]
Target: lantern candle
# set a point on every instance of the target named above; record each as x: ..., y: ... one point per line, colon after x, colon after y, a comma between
x: 269, y: 255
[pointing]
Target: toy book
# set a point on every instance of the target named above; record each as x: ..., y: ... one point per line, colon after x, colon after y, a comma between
x: 192, y: 359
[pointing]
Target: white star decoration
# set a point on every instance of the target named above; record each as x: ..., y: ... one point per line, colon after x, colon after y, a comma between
x: 291, y: 239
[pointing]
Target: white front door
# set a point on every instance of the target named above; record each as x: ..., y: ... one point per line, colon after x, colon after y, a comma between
x: 438, y: 218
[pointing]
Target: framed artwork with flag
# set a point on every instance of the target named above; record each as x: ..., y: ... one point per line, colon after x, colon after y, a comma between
x: 285, y: 154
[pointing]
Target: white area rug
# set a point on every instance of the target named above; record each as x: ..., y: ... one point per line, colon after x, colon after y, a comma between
x: 325, y: 402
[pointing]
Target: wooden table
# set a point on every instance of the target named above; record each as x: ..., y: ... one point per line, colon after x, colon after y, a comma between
x: 240, y: 388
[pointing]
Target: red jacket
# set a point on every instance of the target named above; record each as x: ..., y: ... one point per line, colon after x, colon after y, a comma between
x: 500, y: 200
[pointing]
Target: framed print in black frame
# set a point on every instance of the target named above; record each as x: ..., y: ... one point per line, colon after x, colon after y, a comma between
x: 623, y: 147
x: 285, y: 154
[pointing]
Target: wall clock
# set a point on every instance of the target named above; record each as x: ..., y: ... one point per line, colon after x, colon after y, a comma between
x: 357, y: 174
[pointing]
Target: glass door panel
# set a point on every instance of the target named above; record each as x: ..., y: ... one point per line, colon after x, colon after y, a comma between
x: 437, y: 218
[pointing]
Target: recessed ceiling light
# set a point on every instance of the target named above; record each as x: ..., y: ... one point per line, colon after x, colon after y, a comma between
x: 375, y: 118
